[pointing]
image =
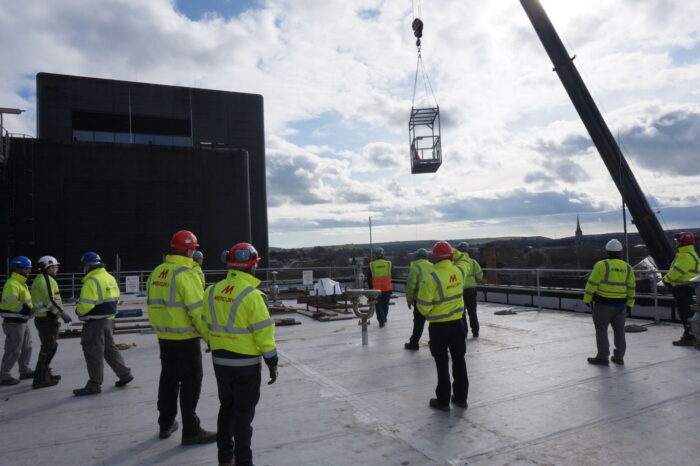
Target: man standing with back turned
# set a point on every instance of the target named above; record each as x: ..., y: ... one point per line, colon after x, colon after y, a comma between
x: 612, y: 286
x: 379, y: 278
x: 419, y: 268
x: 240, y: 331
x: 97, y: 307
x: 440, y: 301
x: 174, y: 308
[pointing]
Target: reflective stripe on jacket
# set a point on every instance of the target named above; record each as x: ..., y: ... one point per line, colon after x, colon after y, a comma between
x: 685, y: 266
x: 440, y: 293
x: 41, y: 299
x: 98, y: 296
x: 174, y: 299
x: 612, y: 280
x: 418, y: 269
x: 470, y: 268
x: 200, y: 274
x: 380, y: 269
x: 15, y: 295
x: 239, y: 326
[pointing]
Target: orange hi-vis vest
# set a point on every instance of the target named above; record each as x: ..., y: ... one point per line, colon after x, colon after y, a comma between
x: 381, y: 274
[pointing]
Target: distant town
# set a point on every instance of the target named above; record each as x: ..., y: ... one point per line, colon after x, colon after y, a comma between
x: 573, y: 252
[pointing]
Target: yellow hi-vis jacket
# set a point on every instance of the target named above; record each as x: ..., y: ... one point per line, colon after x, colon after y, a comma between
x: 418, y: 269
x: 440, y: 293
x: 470, y: 267
x: 198, y: 268
x: 44, y: 300
x: 98, y: 296
x: 685, y: 265
x: 15, y: 295
x: 611, y: 281
x: 380, y: 269
x: 174, y: 299
x: 239, y: 326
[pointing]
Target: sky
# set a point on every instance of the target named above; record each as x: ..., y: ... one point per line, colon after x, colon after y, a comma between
x: 337, y: 80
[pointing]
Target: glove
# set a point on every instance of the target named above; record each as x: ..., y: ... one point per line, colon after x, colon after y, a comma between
x: 409, y: 305
x: 588, y: 305
x: 26, y: 310
x: 66, y: 318
x: 273, y: 375
x: 208, y: 350
x: 629, y: 310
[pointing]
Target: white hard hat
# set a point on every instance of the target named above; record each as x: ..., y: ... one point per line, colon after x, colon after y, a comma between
x: 46, y: 262
x: 613, y: 246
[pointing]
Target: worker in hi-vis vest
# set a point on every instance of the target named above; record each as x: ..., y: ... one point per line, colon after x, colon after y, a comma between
x: 440, y: 301
x: 48, y: 307
x: 418, y: 269
x: 611, y: 287
x: 198, y: 258
x: 97, y: 307
x: 685, y: 266
x: 16, y: 310
x: 472, y: 276
x: 379, y: 278
x: 241, y: 335
x: 174, y: 302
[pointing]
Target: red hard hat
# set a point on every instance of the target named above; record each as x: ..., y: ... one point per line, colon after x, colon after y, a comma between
x: 442, y: 250
x: 684, y: 238
x: 242, y: 256
x: 183, y: 240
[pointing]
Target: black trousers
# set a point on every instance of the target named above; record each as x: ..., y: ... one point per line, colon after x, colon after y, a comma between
x: 238, y: 394
x: 47, y: 327
x: 418, y: 325
x: 446, y: 336
x: 180, y: 373
x: 382, y: 306
x: 469, y: 295
x: 684, y: 298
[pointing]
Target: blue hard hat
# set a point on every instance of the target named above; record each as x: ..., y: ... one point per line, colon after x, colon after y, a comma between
x: 21, y: 262
x: 89, y: 258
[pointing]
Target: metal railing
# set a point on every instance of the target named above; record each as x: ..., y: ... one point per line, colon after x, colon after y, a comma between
x: 561, y: 289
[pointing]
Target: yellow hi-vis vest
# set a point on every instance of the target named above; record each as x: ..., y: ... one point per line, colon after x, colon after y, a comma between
x: 98, y: 296
x: 15, y: 295
x: 42, y: 300
x: 198, y: 268
x: 239, y: 326
x: 613, y: 280
x: 418, y: 269
x: 381, y: 274
x: 440, y: 293
x: 470, y: 267
x: 685, y: 266
x: 174, y: 299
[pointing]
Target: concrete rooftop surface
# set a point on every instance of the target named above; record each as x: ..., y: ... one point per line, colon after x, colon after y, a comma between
x: 533, y: 400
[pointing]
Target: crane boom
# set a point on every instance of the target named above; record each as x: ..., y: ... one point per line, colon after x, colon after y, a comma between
x: 644, y: 218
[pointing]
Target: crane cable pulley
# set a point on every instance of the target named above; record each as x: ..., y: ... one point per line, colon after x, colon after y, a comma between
x: 417, y: 26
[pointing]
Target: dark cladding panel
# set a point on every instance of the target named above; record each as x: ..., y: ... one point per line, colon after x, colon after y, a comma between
x: 129, y: 200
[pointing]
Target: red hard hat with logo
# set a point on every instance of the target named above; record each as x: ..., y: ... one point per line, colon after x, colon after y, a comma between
x: 183, y: 240
x: 684, y: 238
x: 242, y: 256
x: 442, y: 250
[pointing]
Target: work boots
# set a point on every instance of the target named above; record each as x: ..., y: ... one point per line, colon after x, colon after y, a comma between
x: 435, y: 404
x: 200, y: 438
x: 90, y: 389
x: 9, y: 381
x: 685, y: 341
x: 26, y: 375
x: 411, y: 346
x: 124, y: 380
x: 166, y: 433
x: 598, y: 362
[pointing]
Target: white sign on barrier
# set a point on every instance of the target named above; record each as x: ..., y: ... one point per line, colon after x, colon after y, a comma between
x: 307, y: 277
x: 132, y: 284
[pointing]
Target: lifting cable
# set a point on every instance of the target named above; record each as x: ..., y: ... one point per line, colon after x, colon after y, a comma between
x: 417, y: 27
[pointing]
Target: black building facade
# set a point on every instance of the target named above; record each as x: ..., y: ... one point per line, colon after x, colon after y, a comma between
x: 118, y: 166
